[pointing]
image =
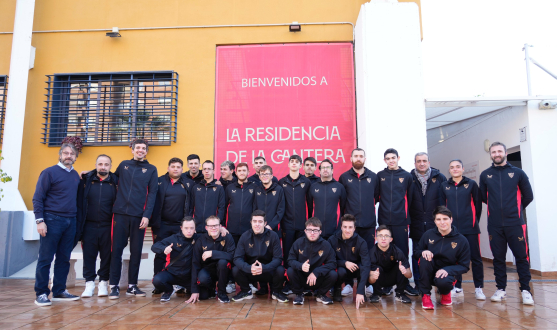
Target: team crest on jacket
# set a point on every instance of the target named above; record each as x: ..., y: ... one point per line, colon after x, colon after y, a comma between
x: 316, y: 190
x: 353, y: 249
x: 466, y: 186
x: 368, y: 180
x: 401, y: 180
x: 490, y: 237
x: 204, y: 248
x: 511, y: 175
x: 267, y: 243
x: 334, y: 190
x: 154, y: 236
x: 320, y: 253
x: 192, y: 242
x: 222, y: 243
x: 182, y: 186
x: 251, y: 246
x: 489, y: 176
x: 259, y: 193
x: 303, y: 184
x: 382, y: 179
x: 125, y: 167
x: 300, y: 251
x: 198, y: 189
x: 188, y: 184
x: 433, y: 180
x: 178, y: 245
x: 349, y: 180
x: 521, y: 239
x: 251, y: 191
x: 338, y: 249
x: 454, y: 244
x: 274, y: 193
x: 143, y: 170
x: 431, y: 241
x: 214, y: 188
x: 392, y: 258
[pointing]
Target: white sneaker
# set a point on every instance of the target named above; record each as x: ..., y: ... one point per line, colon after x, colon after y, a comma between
x: 457, y: 292
x: 499, y: 295
x: 480, y: 294
x: 89, y: 289
x: 103, y: 289
x: 527, y: 298
x: 231, y: 287
x: 369, y: 290
x: 347, y: 290
x: 252, y: 288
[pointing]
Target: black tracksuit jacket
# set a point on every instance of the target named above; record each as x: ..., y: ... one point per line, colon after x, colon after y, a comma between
x: 225, y: 183
x: 264, y: 247
x: 354, y: 250
x: 182, y: 267
x: 387, y: 260
x: 272, y: 202
x: 313, y: 178
x: 223, y: 248
x: 320, y: 254
x: 507, y: 192
x: 137, y: 188
x: 465, y: 202
x: 164, y: 183
x: 297, y: 206
x: 422, y: 208
x: 255, y: 178
x: 197, y: 179
x: 451, y: 252
x: 329, y: 204
x: 207, y: 199
x: 240, y: 203
x: 362, y: 194
x: 395, y: 197
x: 99, y: 209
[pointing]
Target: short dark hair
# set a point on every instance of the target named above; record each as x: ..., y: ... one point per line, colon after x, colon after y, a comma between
x: 212, y: 217
x: 103, y: 155
x: 296, y: 157
x: 186, y: 218
x: 348, y: 217
x: 357, y: 149
x: 175, y: 160
x: 140, y: 141
x: 441, y: 209
x: 242, y: 165
x: 266, y: 168
x: 259, y: 213
x: 383, y: 227
x: 311, y: 159
x: 326, y: 161
x: 192, y: 157
x: 313, y: 221
x: 259, y: 157
x: 497, y: 143
x: 209, y: 161
x: 456, y: 160
x: 390, y: 151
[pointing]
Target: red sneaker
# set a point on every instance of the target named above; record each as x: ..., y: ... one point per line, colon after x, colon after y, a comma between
x: 426, y: 302
x: 446, y: 299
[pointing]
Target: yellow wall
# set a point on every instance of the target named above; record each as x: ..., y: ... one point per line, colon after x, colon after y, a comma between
x: 189, y: 52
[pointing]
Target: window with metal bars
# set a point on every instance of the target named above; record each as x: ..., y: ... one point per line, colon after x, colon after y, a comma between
x: 111, y: 108
x: 3, y: 95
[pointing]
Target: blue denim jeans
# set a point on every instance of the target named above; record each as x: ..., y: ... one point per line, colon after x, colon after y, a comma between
x: 58, y: 241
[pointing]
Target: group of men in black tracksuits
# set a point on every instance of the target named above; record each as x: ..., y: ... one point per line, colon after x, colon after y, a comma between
x: 407, y: 201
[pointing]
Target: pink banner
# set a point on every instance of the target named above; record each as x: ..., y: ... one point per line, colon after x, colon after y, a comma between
x: 278, y: 100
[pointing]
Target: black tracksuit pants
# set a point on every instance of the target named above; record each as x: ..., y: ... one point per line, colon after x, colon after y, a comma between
x: 428, y: 279
x: 400, y: 238
x: 477, y: 263
x: 215, y: 272
x: 388, y: 278
x: 125, y: 226
x: 164, y: 282
x: 368, y: 234
x: 96, y: 241
x: 346, y: 276
x: 289, y: 236
x: 515, y: 238
x: 299, y: 278
x: 244, y: 279
x: 166, y: 230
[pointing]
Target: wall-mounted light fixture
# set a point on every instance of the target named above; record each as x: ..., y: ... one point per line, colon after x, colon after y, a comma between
x: 114, y: 34
x: 295, y: 27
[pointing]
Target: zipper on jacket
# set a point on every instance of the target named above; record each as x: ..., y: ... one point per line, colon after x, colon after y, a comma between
x: 391, y: 209
x: 130, y: 192
x: 205, y: 205
x: 501, y: 199
x: 241, y: 208
x: 325, y: 204
x: 456, y: 198
x: 360, y: 195
x: 100, y: 196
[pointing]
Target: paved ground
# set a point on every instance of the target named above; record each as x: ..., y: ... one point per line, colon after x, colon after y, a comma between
x: 17, y: 310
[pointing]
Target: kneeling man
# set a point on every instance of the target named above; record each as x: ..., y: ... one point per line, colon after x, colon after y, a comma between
x: 312, y: 264
x: 258, y: 258
x: 443, y: 254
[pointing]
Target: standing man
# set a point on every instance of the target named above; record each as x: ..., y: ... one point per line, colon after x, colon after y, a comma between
x: 135, y: 200
x: 426, y: 197
x: 193, y: 165
x: 269, y: 197
x: 362, y: 193
x: 257, y: 163
x: 462, y: 195
x: 310, y: 164
x: 328, y: 198
x: 227, y: 174
x: 55, y: 208
x: 507, y: 192
x: 171, y: 206
x: 96, y: 197
x: 207, y: 198
x: 239, y: 201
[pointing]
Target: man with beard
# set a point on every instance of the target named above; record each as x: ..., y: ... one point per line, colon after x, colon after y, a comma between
x: 257, y: 163
x: 135, y: 200
x: 55, y: 208
x: 426, y: 197
x: 309, y: 169
x: 193, y: 165
x: 227, y: 174
x: 96, y: 196
x: 328, y: 198
x: 207, y: 198
x: 362, y: 192
x: 171, y: 206
x: 507, y: 192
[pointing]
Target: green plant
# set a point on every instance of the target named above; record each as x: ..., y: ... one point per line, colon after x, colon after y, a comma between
x: 4, y: 177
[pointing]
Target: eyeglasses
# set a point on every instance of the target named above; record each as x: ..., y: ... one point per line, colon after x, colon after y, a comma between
x: 326, y: 168
x: 212, y: 226
x: 383, y: 236
x: 266, y: 174
x: 65, y: 153
x: 313, y: 231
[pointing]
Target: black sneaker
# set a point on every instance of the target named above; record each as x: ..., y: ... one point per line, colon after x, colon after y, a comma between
x: 180, y: 289
x: 166, y: 296
x: 286, y: 290
x: 243, y: 295
x: 114, y: 292
x: 223, y: 298
x: 212, y: 295
x: 280, y: 297
x: 323, y: 299
x: 308, y: 293
x: 374, y: 298
x: 134, y: 291
x: 411, y: 291
x: 337, y: 295
x: 387, y: 291
x: 156, y: 291
x: 299, y: 300
x: 65, y: 296
x: 263, y: 291
x: 43, y: 300
x: 402, y: 297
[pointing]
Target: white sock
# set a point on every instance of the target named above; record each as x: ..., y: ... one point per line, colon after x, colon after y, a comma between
x: 130, y: 285
x: 112, y: 286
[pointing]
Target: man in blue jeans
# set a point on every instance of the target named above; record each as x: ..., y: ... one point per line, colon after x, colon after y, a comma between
x: 55, y: 208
